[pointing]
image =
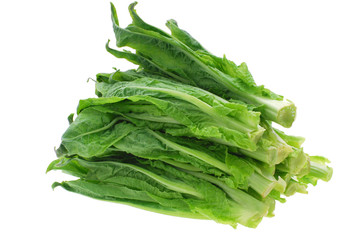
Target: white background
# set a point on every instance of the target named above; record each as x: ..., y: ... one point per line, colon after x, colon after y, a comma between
x: 305, y: 50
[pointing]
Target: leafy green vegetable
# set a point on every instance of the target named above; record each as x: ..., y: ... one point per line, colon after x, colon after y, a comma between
x: 101, y: 135
x: 271, y: 149
x: 160, y: 188
x: 186, y: 134
x: 204, y: 115
x: 192, y: 64
x: 317, y: 170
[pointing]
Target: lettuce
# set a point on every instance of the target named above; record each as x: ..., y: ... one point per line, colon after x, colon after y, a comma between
x: 184, y: 59
x: 186, y: 134
x: 160, y: 188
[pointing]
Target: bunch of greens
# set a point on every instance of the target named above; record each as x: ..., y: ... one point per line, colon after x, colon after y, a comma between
x: 186, y: 134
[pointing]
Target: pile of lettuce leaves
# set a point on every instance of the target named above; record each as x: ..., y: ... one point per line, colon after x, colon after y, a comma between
x: 186, y: 134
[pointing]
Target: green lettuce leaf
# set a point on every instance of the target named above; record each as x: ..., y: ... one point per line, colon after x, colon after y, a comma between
x: 195, y: 66
x: 161, y: 188
x: 205, y: 115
